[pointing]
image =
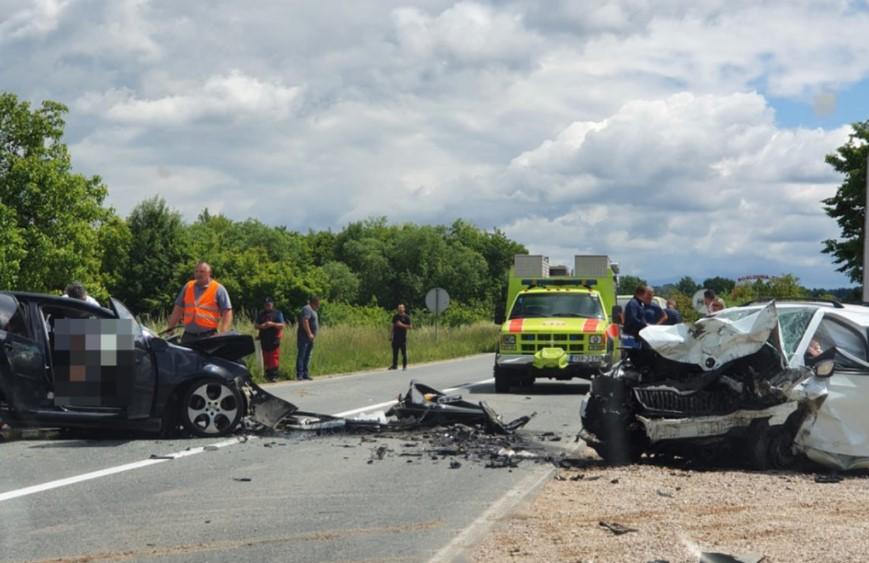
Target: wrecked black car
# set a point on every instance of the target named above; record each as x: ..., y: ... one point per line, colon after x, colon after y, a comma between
x: 726, y: 387
x: 65, y: 363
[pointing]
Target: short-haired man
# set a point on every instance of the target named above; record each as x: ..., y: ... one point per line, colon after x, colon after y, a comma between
x: 76, y: 290
x: 309, y: 324
x: 400, y: 325
x: 654, y: 313
x: 635, y: 311
x: 270, y: 324
x: 203, y: 305
x: 674, y: 317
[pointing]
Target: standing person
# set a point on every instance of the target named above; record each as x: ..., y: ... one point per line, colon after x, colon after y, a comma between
x: 76, y: 290
x: 308, y: 325
x: 270, y: 324
x: 203, y: 305
x: 654, y: 313
x: 674, y: 317
x: 635, y: 311
x: 713, y: 302
x: 400, y: 325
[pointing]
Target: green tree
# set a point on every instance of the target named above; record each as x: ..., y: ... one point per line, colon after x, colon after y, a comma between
x: 787, y: 285
x: 343, y: 284
x: 157, y: 257
x: 48, y: 209
x: 848, y: 206
x: 687, y: 286
x: 12, y: 250
x: 721, y: 286
x: 628, y: 284
x: 115, y: 242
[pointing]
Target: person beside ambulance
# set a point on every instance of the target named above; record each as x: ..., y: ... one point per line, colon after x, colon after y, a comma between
x: 202, y: 305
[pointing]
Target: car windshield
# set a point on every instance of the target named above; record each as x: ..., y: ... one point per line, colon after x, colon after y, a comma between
x: 538, y: 305
x: 792, y: 320
x: 124, y: 313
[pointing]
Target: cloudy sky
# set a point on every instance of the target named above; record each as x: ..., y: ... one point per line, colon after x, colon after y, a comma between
x: 681, y: 137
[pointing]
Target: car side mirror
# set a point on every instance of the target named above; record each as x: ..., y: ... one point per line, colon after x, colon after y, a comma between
x: 825, y: 368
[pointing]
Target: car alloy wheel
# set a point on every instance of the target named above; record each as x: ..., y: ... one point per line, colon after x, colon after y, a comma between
x: 212, y: 408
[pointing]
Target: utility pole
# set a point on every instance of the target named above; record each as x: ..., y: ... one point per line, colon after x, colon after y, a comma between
x: 865, y: 233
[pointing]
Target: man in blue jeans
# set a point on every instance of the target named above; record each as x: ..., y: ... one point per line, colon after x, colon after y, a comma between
x: 308, y: 325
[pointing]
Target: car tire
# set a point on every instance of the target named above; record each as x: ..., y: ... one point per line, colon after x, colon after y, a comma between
x: 780, y: 448
x: 211, y: 407
x: 770, y: 447
x: 618, y: 444
x: 502, y: 381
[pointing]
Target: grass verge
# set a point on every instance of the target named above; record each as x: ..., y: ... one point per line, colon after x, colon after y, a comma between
x: 344, y: 349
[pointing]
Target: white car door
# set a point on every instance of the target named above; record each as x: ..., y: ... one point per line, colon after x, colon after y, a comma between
x: 838, y: 435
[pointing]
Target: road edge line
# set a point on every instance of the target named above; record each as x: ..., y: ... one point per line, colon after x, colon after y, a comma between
x: 471, y: 535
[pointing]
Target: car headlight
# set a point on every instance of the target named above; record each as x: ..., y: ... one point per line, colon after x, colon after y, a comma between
x: 595, y: 339
x: 508, y: 341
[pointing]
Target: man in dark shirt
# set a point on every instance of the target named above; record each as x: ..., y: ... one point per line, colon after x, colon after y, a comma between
x: 674, y: 317
x: 635, y: 321
x: 400, y: 325
x: 635, y: 311
x: 270, y: 324
x: 309, y: 324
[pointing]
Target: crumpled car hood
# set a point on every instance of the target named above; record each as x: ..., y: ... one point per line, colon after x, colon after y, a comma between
x: 713, y: 341
x: 230, y: 346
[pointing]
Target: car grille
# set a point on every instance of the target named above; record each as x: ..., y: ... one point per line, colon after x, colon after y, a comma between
x: 671, y: 401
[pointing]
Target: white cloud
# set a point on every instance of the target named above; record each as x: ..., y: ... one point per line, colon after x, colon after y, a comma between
x: 34, y: 20
x: 234, y: 95
x: 646, y: 130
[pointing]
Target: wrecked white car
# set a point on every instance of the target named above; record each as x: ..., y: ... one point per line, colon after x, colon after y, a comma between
x: 763, y: 382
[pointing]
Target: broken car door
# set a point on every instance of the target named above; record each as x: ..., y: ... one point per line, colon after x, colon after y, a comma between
x: 23, y: 381
x: 841, y: 427
x: 144, y: 373
x: 92, y: 357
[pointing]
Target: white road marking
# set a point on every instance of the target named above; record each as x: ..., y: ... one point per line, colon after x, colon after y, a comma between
x: 26, y: 491
x: 471, y: 534
x: 114, y: 470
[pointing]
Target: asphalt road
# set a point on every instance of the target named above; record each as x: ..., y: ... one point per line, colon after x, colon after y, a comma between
x: 269, y: 499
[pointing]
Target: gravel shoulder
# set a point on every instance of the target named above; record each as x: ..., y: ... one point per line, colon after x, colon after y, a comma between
x: 677, y: 514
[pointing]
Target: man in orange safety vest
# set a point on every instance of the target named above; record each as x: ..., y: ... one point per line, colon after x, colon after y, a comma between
x: 203, y: 306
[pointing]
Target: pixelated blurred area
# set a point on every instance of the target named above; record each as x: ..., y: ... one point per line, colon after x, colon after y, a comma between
x: 93, y: 361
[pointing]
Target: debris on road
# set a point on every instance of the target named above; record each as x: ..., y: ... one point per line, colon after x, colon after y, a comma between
x: 425, y: 422
x: 828, y: 478
x: 242, y: 479
x: 714, y: 557
x: 426, y: 406
x: 616, y: 528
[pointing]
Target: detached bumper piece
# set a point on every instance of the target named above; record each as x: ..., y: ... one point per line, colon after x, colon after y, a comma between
x: 421, y: 406
x: 426, y: 406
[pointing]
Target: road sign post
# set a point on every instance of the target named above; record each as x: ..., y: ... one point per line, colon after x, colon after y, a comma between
x: 437, y: 300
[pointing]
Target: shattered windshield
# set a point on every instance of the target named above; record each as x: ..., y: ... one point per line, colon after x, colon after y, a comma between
x: 537, y: 305
x: 793, y: 324
x: 792, y: 320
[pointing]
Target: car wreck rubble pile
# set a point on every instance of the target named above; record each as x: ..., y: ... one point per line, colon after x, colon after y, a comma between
x: 425, y: 424
x: 724, y: 389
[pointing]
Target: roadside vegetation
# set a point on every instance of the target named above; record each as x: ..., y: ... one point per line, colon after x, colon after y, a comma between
x: 363, y: 343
